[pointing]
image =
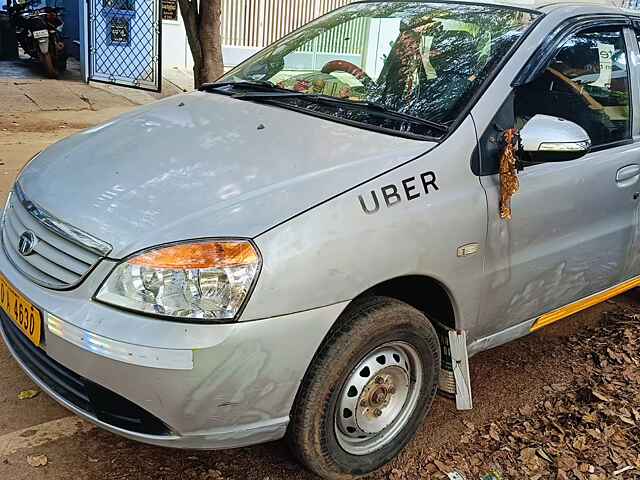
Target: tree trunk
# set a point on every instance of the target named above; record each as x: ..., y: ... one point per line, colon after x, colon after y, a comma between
x: 205, y: 41
x: 212, y: 67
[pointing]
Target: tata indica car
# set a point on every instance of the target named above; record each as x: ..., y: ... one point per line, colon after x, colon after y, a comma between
x: 313, y: 245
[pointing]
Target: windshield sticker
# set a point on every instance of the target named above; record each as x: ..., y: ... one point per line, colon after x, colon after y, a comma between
x: 409, y: 189
x: 605, y: 54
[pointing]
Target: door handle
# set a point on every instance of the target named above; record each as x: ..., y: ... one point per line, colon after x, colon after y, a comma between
x: 628, y: 175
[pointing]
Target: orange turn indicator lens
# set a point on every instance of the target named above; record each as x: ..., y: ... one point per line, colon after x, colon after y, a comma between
x: 199, y: 255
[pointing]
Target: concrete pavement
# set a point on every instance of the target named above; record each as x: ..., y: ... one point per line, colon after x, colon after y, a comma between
x: 23, y: 90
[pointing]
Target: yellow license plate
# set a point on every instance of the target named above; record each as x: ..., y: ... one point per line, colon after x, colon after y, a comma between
x: 24, y: 315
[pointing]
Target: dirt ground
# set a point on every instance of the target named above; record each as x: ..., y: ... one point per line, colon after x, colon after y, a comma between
x: 563, y: 374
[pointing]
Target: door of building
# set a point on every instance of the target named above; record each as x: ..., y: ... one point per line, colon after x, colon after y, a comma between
x: 125, y: 43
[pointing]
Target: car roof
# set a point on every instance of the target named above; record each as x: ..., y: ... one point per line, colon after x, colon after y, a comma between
x: 607, y: 6
x: 604, y: 6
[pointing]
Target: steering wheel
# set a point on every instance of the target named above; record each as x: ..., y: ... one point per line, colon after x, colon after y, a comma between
x: 604, y: 122
x: 347, y: 67
x: 591, y: 102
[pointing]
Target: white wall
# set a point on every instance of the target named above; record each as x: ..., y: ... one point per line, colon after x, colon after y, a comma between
x: 176, y: 53
x: 245, y: 22
x: 174, y: 44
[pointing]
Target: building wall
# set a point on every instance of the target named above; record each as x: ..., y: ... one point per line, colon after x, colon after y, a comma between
x: 71, y: 29
x: 247, y: 27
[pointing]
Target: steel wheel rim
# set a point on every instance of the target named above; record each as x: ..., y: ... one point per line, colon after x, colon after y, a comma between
x: 378, y: 398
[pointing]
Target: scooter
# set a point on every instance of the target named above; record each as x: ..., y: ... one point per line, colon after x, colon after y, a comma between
x: 39, y: 34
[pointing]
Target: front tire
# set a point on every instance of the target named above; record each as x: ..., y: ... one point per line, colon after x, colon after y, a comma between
x: 48, y: 64
x: 367, y: 390
x: 60, y: 59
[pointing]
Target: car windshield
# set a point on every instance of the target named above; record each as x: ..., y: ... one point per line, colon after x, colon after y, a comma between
x: 413, y: 60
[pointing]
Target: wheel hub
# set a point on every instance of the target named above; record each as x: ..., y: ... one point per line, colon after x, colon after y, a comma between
x: 376, y: 396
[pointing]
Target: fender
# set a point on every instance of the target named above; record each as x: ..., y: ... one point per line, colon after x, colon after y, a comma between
x: 43, y: 43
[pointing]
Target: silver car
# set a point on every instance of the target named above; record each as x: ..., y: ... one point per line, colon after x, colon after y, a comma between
x: 315, y: 244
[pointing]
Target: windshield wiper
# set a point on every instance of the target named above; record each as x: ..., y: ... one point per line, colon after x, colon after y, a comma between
x: 378, y: 108
x: 275, y: 93
x: 264, y: 91
x: 386, y: 112
x: 249, y: 86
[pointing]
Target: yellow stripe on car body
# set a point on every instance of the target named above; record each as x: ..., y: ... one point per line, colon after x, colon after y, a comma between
x: 575, y: 307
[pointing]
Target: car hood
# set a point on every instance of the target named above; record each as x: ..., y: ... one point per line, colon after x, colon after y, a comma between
x: 203, y: 165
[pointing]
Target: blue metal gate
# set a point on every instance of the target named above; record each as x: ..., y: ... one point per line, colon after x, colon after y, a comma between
x: 125, y: 43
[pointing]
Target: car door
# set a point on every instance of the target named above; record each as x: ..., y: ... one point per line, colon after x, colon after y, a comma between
x: 632, y: 267
x: 573, y: 221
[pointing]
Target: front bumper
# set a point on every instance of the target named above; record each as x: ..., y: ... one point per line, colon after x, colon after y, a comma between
x: 238, y: 390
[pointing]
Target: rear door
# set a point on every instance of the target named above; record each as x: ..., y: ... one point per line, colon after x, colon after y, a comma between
x: 572, y: 221
x: 632, y: 267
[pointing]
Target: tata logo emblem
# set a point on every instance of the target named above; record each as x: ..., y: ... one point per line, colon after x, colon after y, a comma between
x: 27, y: 243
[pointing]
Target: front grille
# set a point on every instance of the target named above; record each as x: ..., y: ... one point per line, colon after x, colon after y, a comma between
x: 89, y: 397
x: 61, y: 256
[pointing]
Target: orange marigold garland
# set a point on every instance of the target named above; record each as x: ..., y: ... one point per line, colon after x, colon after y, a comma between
x: 509, y: 183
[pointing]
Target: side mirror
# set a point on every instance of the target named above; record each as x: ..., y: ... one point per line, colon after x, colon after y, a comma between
x: 552, y: 139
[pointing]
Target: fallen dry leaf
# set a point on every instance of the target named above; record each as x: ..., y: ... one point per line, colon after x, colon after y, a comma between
x: 566, y: 462
x: 544, y: 455
x: 443, y: 467
x: 37, y: 460
x: 622, y: 470
x: 28, y: 394
x: 600, y: 396
x: 493, y: 432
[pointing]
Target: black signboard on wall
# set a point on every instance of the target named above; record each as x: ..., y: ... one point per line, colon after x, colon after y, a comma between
x: 170, y: 10
x: 120, y: 31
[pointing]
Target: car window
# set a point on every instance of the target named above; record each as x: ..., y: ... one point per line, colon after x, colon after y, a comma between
x: 587, y: 82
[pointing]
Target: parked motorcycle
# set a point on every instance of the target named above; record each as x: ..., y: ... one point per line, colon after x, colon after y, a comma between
x: 38, y: 31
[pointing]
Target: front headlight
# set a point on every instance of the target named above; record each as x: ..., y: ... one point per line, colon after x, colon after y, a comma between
x: 207, y: 280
